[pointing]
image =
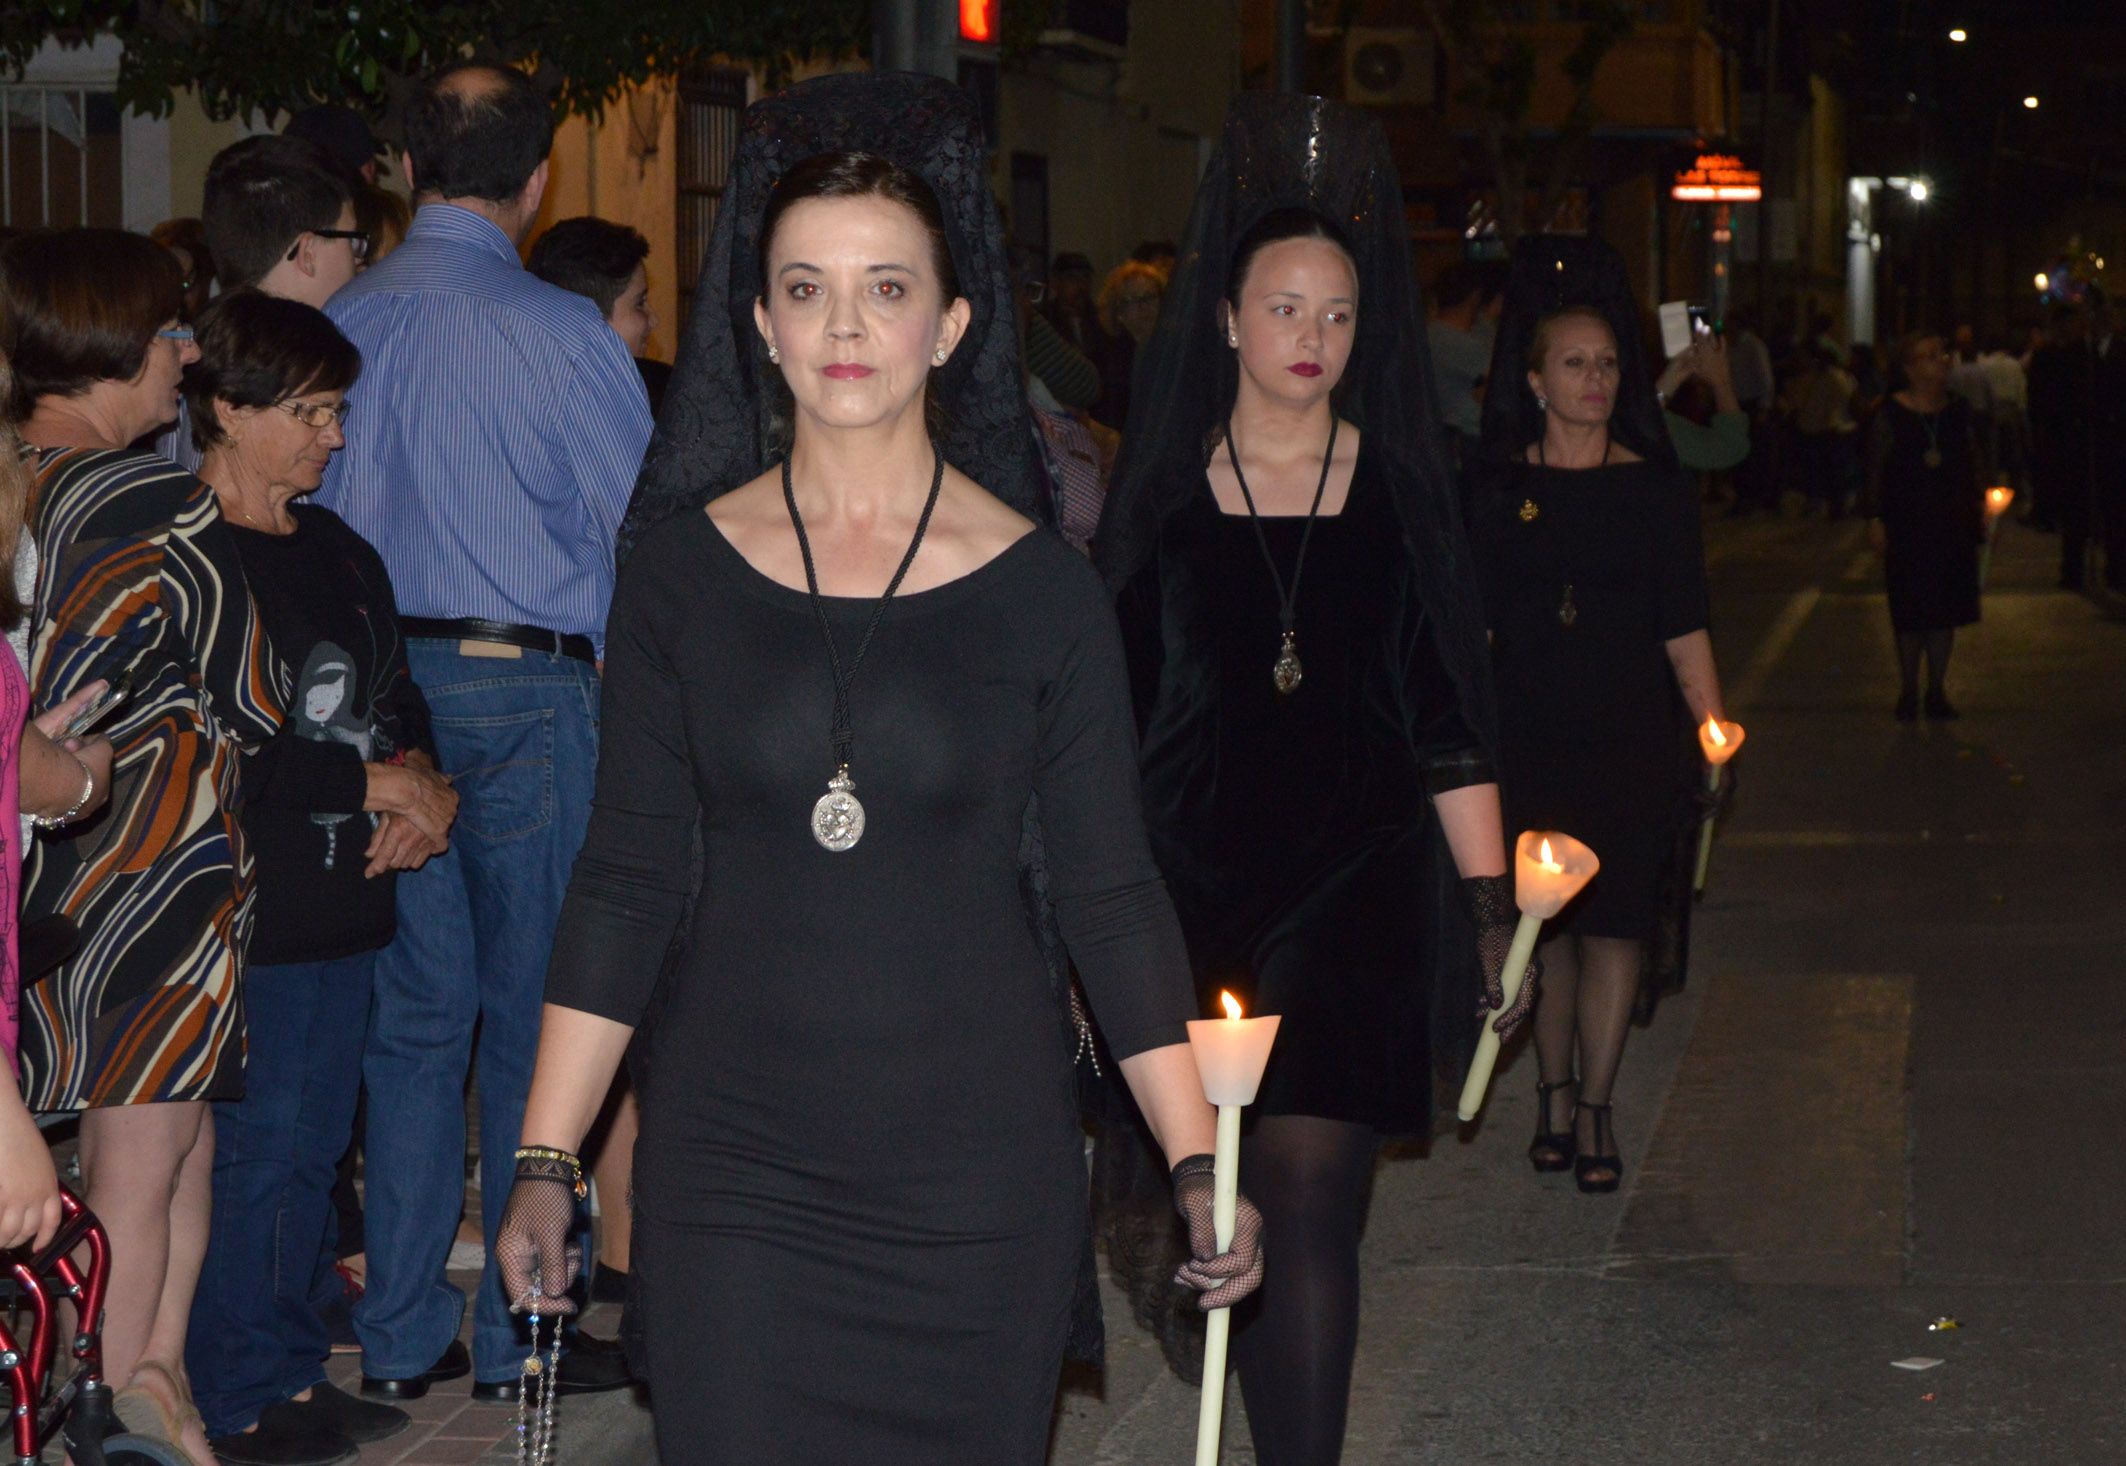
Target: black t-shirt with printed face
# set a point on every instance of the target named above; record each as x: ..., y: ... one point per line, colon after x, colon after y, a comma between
x: 327, y: 606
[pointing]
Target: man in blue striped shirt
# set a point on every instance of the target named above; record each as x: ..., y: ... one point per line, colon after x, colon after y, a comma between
x: 492, y: 444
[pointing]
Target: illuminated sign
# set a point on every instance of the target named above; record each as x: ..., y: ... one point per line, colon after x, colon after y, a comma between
x: 978, y: 20
x: 1718, y: 178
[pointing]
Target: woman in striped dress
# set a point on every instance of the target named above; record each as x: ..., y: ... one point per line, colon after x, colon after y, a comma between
x: 138, y: 577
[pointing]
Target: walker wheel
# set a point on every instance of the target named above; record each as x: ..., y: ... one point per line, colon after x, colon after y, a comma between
x: 141, y: 1450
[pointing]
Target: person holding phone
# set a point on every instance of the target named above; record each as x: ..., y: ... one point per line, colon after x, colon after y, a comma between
x: 1723, y: 442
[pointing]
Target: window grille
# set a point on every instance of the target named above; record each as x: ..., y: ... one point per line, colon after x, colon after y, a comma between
x: 62, y: 157
x: 711, y: 102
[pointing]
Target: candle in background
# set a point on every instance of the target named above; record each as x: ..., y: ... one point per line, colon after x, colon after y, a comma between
x: 1719, y: 741
x: 1998, y: 498
x: 1230, y: 1055
x: 1548, y: 870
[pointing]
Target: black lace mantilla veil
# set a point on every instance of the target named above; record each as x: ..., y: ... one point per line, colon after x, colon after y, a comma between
x: 1549, y: 273
x: 717, y: 429
x: 1279, y: 151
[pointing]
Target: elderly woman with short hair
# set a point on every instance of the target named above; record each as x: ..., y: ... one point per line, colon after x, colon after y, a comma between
x: 138, y: 577
x: 342, y: 797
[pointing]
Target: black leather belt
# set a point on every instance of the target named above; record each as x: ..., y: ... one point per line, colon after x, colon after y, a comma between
x: 531, y: 638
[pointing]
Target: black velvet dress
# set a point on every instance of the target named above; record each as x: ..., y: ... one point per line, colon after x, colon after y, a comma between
x: 1294, y: 830
x: 860, y: 1188
x: 1587, y: 574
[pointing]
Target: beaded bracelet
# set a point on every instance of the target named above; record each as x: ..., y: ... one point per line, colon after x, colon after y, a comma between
x: 546, y: 1163
x: 73, y: 812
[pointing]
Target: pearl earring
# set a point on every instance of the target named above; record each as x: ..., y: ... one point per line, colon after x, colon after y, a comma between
x: 774, y: 355
x: 1542, y: 403
x: 1233, y: 341
x: 939, y: 356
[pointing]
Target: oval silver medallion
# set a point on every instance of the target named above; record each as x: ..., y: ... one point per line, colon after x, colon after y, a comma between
x: 838, y: 817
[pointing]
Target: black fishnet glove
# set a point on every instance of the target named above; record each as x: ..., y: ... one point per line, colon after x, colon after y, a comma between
x: 1223, y: 1278
x: 534, y: 1239
x: 1491, y: 904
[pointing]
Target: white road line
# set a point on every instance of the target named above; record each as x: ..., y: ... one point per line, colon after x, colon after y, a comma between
x: 1765, y: 660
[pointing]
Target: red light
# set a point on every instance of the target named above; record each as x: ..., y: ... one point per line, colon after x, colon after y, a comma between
x: 978, y: 20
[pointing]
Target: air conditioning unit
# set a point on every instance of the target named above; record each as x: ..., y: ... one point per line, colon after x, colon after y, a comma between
x: 1389, y: 67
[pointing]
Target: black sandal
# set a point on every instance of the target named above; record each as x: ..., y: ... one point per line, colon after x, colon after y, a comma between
x: 1586, y: 1165
x: 1551, y: 1150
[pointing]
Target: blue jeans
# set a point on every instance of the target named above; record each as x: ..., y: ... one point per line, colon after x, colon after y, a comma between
x: 255, y: 1339
x: 519, y: 737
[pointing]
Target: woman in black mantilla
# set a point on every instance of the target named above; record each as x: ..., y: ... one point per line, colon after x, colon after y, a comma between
x: 860, y: 1189
x: 1925, y: 498
x: 1306, y: 648
x: 1594, y: 577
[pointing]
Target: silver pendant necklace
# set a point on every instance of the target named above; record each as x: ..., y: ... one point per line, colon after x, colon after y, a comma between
x: 1286, y: 671
x: 1932, y: 457
x: 838, y: 816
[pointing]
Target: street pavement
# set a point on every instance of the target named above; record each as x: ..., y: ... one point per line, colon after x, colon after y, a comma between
x: 1888, y: 1095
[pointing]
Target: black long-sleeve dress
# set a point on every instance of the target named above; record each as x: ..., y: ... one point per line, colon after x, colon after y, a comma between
x: 1293, y: 830
x: 1588, y: 573
x: 860, y: 1188
x: 1933, y: 515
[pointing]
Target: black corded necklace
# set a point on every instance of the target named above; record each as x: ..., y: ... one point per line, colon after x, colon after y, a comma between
x: 1286, y: 672
x: 837, y: 818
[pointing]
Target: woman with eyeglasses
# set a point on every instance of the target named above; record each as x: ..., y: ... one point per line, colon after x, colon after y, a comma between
x: 138, y: 578
x: 344, y: 796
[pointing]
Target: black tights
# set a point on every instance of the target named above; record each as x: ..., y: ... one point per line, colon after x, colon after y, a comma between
x: 1583, y: 1011
x: 1294, y: 1340
x: 1936, y: 645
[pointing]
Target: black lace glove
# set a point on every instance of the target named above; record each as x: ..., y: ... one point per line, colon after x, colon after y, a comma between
x: 1491, y: 904
x: 1223, y: 1278
x: 533, y: 1242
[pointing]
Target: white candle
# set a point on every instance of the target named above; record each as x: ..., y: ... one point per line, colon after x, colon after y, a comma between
x: 1548, y: 870
x: 1719, y: 741
x: 1230, y: 1055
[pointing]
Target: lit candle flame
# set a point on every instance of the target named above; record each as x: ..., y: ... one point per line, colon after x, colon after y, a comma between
x: 1716, y: 733
x: 1998, y: 498
x: 1545, y: 859
x: 1232, y: 1006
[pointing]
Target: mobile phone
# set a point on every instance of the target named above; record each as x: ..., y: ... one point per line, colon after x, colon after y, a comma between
x: 1676, y: 332
x: 1701, y: 321
x: 120, y: 689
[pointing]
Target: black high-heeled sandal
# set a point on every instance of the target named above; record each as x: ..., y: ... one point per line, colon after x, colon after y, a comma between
x: 1585, y: 1165
x: 1551, y: 1150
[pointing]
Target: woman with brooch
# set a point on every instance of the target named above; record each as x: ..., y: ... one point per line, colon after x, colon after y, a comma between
x: 1594, y: 576
x: 1925, y: 498
x: 860, y: 1192
x: 1306, y: 648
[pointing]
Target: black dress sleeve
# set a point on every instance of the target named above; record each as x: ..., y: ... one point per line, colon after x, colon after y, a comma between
x: 1685, y: 604
x: 633, y: 874
x: 1110, y: 900
x: 1138, y: 611
x: 1450, y: 755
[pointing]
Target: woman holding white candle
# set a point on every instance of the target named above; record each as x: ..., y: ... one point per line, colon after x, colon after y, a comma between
x: 860, y: 1190
x: 1595, y: 578
x: 1306, y: 644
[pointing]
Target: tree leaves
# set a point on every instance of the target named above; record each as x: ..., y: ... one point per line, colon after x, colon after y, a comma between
x: 269, y: 57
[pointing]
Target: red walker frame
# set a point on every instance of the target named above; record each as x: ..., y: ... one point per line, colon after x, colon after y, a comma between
x: 82, y: 1403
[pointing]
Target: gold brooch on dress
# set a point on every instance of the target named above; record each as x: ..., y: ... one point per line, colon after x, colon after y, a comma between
x: 1529, y: 511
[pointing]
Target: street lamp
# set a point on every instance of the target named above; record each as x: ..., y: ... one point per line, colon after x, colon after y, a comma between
x: 1959, y: 35
x: 2031, y: 103
x: 1919, y: 190
x: 2043, y: 282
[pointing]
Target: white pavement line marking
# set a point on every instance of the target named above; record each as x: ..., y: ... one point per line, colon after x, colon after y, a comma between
x: 1765, y: 660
